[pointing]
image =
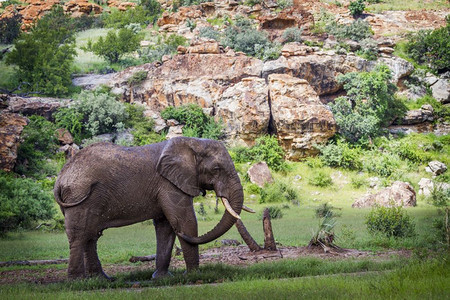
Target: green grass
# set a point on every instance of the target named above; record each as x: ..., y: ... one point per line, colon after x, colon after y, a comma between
x: 7, y: 72
x: 87, y: 62
x: 406, y: 5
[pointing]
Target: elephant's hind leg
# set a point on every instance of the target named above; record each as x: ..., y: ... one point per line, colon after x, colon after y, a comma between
x: 91, y: 260
x: 165, y: 237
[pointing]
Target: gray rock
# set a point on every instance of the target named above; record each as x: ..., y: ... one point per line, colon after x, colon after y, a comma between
x: 399, y: 194
x: 436, y: 167
x: 260, y: 174
x: 175, y: 131
x: 400, y: 68
x: 125, y: 138
x: 426, y: 186
x: 417, y: 116
x: 92, y: 81
x: 69, y: 150
x: 441, y: 90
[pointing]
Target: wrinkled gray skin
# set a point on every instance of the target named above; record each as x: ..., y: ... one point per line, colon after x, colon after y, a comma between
x: 105, y: 185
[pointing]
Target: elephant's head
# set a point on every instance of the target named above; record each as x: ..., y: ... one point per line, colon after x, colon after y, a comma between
x: 195, y: 165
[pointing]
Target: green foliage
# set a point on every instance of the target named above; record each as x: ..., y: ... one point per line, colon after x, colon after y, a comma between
x: 356, y: 7
x: 115, y: 45
x: 275, y: 212
x: 72, y: 120
x: 142, y: 127
x: 22, y: 202
x: 278, y: 192
x: 292, y: 34
x: 390, y: 221
x: 321, y: 21
x: 166, y: 46
x: 440, y: 196
x: 440, y: 111
x: 431, y: 48
x: 324, y: 235
x: 282, y: 4
x: 252, y: 3
x: 383, y: 164
x: 102, y: 113
x: 324, y: 210
x: 320, y: 179
x: 369, y: 49
x: 39, y: 144
x: 137, y: 77
x: 358, y: 181
x: 209, y: 32
x: 369, y: 104
x: 144, y: 14
x: 341, y: 155
x: 85, y: 22
x: 196, y: 122
x: 45, y: 54
x: 358, y: 30
x: 10, y: 28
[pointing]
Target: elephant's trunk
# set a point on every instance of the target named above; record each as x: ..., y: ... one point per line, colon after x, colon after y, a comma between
x: 235, y: 196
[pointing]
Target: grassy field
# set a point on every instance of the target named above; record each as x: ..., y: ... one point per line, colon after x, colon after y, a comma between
x: 406, y: 5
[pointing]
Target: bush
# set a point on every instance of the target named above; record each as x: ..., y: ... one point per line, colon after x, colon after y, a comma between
x: 165, y: 46
x: 45, y: 54
x: 146, y: 13
x: 209, y: 32
x: 383, y: 164
x: 369, y: 49
x: 292, y: 34
x: 356, y: 7
x: 142, y: 127
x: 391, y: 222
x: 325, y: 210
x: 39, y: 144
x: 22, y: 202
x: 10, y: 28
x: 321, y: 179
x: 369, y: 104
x: 115, y: 45
x: 196, y: 123
x: 72, y: 120
x: 357, y: 31
x: 341, y: 155
x: 358, y: 182
x: 274, y: 213
x: 282, y: 4
x: 278, y: 192
x: 102, y: 113
x: 137, y: 77
x: 431, y: 48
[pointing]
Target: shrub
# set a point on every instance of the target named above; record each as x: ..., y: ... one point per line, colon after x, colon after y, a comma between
x: 325, y: 210
x: 431, y: 47
x: 45, y: 54
x: 369, y: 49
x: 357, y: 30
x: 278, y: 192
x: 142, y: 127
x: 391, y: 222
x: 85, y: 22
x: 165, y: 46
x: 140, y: 14
x: 341, y: 155
x: 196, y: 123
x: 72, y: 120
x: 115, y: 45
x: 268, y: 149
x: 39, y: 144
x: 102, y: 113
x: 22, y: 202
x: 209, y: 32
x: 270, y: 52
x: 358, y: 182
x: 10, y: 28
x: 282, y: 4
x: 382, y: 164
x: 292, y: 34
x: 369, y: 104
x: 322, y: 21
x: 137, y: 77
x: 274, y: 213
x: 321, y: 179
x: 314, y: 162
x: 356, y: 7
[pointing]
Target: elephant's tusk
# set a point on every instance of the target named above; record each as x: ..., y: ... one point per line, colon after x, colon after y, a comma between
x: 229, y: 208
x: 248, y: 209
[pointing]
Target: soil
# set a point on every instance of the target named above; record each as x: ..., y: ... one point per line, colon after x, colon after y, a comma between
x: 238, y: 256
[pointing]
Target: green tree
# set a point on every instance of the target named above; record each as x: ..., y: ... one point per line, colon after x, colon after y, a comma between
x: 10, y: 28
x: 115, y: 45
x: 45, y: 54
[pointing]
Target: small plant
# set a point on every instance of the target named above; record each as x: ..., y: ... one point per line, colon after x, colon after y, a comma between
x: 324, y: 235
x: 137, y: 77
x: 341, y: 155
x: 390, y: 221
x: 209, y: 32
x: 324, y: 210
x: 358, y: 182
x: 292, y: 34
x: 201, y: 210
x: 72, y: 120
x: 321, y: 179
x: 278, y: 192
x: 274, y: 213
x: 440, y: 197
x: 369, y: 49
x: 356, y: 7
x: 191, y: 24
x: 282, y: 4
x: 357, y: 31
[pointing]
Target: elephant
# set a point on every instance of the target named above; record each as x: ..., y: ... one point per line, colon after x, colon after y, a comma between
x: 106, y: 185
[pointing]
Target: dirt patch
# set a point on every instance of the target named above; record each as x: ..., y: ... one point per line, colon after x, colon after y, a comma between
x: 238, y: 256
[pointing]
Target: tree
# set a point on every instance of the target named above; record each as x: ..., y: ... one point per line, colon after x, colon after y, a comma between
x: 10, y: 28
x: 45, y: 54
x: 115, y: 45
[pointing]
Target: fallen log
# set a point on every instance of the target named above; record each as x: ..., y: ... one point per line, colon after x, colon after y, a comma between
x: 33, y: 262
x: 135, y: 259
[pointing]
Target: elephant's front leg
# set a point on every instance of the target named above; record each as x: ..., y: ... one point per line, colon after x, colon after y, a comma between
x: 165, y: 237
x: 189, y: 227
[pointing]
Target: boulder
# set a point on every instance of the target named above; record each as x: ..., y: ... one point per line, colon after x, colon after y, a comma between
x: 441, y: 90
x: 299, y: 119
x: 259, y: 174
x: 295, y: 49
x: 399, y: 194
x: 436, y: 167
x: 11, y: 127
x: 78, y: 8
x: 44, y: 107
x: 204, y: 46
x: 175, y: 131
x: 416, y: 116
x: 69, y: 150
x: 244, y: 109
x: 400, y: 68
x: 64, y: 136
x: 426, y: 186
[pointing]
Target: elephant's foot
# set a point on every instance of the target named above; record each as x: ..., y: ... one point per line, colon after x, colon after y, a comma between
x: 160, y: 274
x: 101, y: 275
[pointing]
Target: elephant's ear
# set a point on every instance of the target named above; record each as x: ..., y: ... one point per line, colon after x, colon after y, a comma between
x: 178, y: 164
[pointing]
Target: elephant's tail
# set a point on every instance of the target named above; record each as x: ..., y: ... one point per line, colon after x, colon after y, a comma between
x: 59, y: 191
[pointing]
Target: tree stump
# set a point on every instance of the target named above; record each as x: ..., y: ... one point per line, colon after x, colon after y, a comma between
x: 269, y: 240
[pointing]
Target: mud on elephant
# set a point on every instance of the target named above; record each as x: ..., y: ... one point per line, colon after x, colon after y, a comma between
x: 105, y: 185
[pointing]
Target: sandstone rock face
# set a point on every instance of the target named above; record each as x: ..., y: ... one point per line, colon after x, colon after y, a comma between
x: 260, y: 174
x: 244, y: 109
x: 417, y: 116
x: 287, y: 18
x: 44, y: 107
x: 11, y: 126
x: 299, y: 118
x: 399, y: 194
x: 183, y: 13
x: 82, y: 7
x: 436, y: 167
